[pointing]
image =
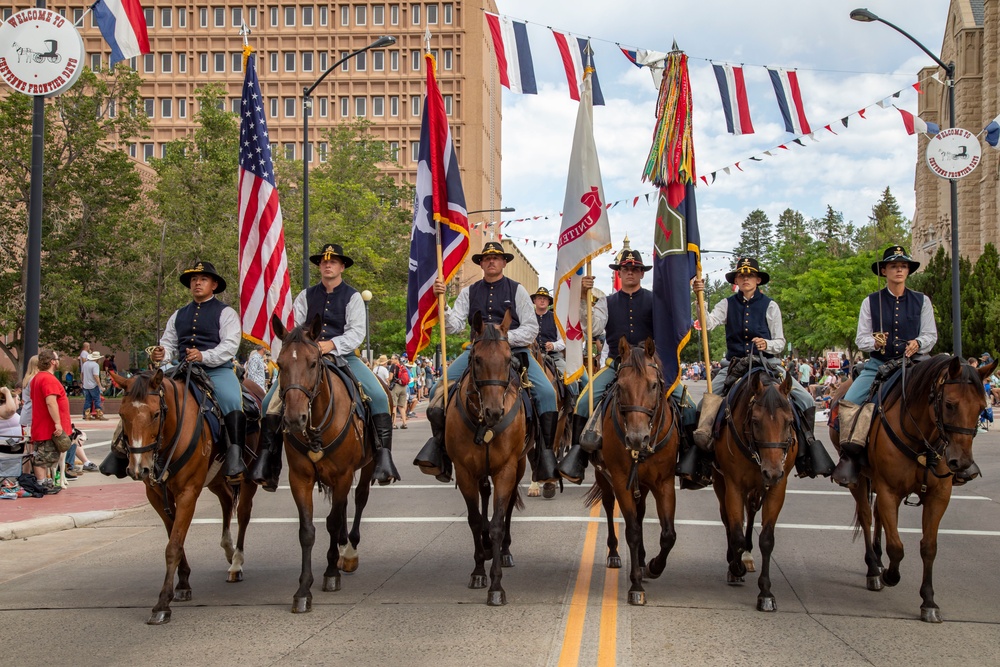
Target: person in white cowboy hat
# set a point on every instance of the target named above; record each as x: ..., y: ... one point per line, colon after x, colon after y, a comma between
x: 343, y: 315
x: 894, y: 322
x: 93, y: 406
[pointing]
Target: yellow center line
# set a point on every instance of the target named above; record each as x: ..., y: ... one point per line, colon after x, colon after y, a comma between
x: 573, y: 635
x: 607, y: 648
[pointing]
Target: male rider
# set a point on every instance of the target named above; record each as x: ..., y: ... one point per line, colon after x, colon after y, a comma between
x: 342, y: 311
x: 548, y: 338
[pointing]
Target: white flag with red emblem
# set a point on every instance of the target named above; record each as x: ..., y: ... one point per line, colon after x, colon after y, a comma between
x: 585, y: 231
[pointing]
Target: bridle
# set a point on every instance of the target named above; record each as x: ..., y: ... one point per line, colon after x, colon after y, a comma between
x: 472, y: 392
x: 752, y: 446
x: 482, y: 434
x: 313, y: 433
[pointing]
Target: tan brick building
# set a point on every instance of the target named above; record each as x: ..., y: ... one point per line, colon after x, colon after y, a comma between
x: 197, y: 43
x: 972, y: 42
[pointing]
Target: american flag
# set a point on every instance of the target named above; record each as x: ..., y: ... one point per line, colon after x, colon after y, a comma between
x: 265, y: 287
x: 439, y: 199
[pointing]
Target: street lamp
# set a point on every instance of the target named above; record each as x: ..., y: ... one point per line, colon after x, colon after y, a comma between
x: 865, y: 16
x: 385, y: 40
x: 367, y: 296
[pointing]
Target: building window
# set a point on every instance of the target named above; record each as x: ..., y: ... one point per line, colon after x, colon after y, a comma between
x: 345, y: 15
x: 394, y: 14
x: 378, y: 106
x: 220, y: 62
x: 289, y: 61
x: 378, y: 15
x: 149, y: 106
x: 289, y: 151
x: 182, y: 63
x: 361, y: 15
x: 237, y: 13
x: 415, y: 14
x: 378, y: 61
x: 414, y: 151
x: 289, y: 107
x: 432, y: 14
x: 323, y: 18
x: 148, y: 63
x: 146, y: 14
x: 307, y: 16
x: 182, y: 18
x: 274, y: 107
x: 235, y: 105
x: 78, y: 14
x: 112, y: 109
x: 360, y: 106
x: 323, y: 62
x: 448, y: 58
x: 220, y: 105
x: 95, y: 61
x: 289, y: 17
x: 131, y: 147
x: 394, y: 105
x: 307, y: 61
x: 274, y: 62
x: 166, y: 17
x: 415, y: 105
x: 203, y: 17
x: 252, y: 16
x: 274, y: 17
x: 147, y: 152
x: 182, y: 107
x: 346, y: 65
x: 344, y: 107
x: 220, y: 17
x: 447, y: 13
x: 166, y: 63
x: 361, y: 62
x: 166, y: 108
x: 323, y: 104
x: 237, y: 62
x: 394, y: 151
x: 203, y: 62
x: 323, y: 149
x: 394, y: 61
x: 447, y: 104
x: 415, y: 61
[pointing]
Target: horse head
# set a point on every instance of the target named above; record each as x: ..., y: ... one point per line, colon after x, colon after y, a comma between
x: 769, y: 424
x: 143, y: 420
x: 300, y: 371
x: 960, y: 398
x: 639, y: 393
x: 490, y: 367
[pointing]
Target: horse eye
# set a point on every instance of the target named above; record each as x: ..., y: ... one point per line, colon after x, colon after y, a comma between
x: 951, y: 405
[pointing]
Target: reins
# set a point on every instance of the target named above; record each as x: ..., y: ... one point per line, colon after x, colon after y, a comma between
x: 751, y: 449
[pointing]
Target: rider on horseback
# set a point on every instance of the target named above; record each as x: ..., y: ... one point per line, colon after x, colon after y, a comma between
x: 548, y: 338
x: 208, y: 332
x: 894, y: 323
x: 492, y: 297
x: 343, y: 313
x: 753, y: 325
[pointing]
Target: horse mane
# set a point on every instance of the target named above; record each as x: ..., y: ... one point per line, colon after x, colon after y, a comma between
x: 140, y: 386
x: 297, y: 335
x: 772, y: 399
x: 490, y: 333
x: 637, y: 357
x: 921, y: 379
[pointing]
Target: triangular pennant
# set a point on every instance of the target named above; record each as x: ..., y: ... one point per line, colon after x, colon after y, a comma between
x: 726, y: 169
x: 916, y: 87
x: 738, y: 166
x: 713, y: 177
x: 704, y: 179
x: 799, y: 142
x: 830, y: 129
x: 861, y: 112
x: 783, y: 147
x: 757, y: 159
x: 769, y: 153
x: 812, y: 135
x: 844, y: 120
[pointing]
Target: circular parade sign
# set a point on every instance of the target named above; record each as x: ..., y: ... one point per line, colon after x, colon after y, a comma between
x: 953, y: 153
x: 41, y: 52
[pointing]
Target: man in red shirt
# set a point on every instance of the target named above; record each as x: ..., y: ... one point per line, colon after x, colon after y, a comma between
x: 50, y: 419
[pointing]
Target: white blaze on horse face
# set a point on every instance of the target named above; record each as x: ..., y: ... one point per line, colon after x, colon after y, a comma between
x: 295, y: 355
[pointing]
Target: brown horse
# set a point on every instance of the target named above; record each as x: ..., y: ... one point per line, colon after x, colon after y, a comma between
x: 564, y: 407
x: 639, y: 452
x: 485, y: 438
x: 325, y: 444
x: 754, y: 454
x: 169, y: 447
x: 920, y: 437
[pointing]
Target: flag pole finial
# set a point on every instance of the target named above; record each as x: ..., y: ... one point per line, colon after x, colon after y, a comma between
x: 427, y: 40
x: 675, y: 48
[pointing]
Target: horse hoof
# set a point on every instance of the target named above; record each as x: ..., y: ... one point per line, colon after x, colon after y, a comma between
x: 349, y: 565
x: 549, y: 490
x: 496, y: 599
x: 506, y: 560
x: 747, y: 559
x: 159, y: 617
x: 930, y: 615
x: 654, y: 569
x: 767, y: 603
x: 615, y: 562
x: 637, y: 598
x: 235, y: 577
x: 477, y: 581
x: 533, y: 490
x: 733, y: 579
x: 875, y: 583
x: 890, y: 578
x: 182, y: 595
x: 331, y: 584
x: 302, y: 605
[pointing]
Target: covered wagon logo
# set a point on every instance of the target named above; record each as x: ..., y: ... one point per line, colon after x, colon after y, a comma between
x: 41, y: 53
x: 953, y: 153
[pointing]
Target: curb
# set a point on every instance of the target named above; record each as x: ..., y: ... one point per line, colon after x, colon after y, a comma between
x: 49, y: 524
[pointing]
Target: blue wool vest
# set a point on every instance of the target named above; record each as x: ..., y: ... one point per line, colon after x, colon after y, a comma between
x: 631, y: 316
x: 746, y: 320
x: 493, y: 300
x: 331, y: 306
x: 897, y: 316
x: 197, y: 325
x: 547, y: 332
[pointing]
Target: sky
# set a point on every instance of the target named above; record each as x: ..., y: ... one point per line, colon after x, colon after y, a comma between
x: 842, y: 66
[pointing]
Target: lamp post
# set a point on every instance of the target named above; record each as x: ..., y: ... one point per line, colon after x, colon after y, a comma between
x: 865, y: 16
x: 385, y: 40
x: 367, y: 296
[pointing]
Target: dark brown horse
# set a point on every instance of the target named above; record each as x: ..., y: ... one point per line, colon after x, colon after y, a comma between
x: 639, y: 452
x: 564, y: 408
x: 169, y: 447
x: 485, y: 438
x: 754, y: 454
x: 325, y: 444
x: 919, y: 439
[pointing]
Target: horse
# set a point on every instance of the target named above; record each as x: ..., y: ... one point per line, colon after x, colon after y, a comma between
x: 325, y: 444
x: 639, y: 455
x: 485, y: 429
x: 564, y: 407
x: 754, y: 456
x: 920, y: 437
x: 170, y: 449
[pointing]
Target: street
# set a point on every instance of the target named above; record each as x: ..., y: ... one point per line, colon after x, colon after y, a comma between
x: 82, y: 596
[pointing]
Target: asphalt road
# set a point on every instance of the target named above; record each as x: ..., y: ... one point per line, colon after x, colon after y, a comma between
x: 82, y: 596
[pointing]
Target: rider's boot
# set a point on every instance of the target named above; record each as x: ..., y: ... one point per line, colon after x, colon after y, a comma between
x: 593, y: 431
x: 854, y: 423
x: 574, y: 464
x: 236, y: 429
x: 545, y: 470
x: 848, y: 470
x: 385, y: 469
x: 812, y: 459
x: 268, y: 466
x: 694, y: 464
x: 710, y: 405
x: 432, y: 458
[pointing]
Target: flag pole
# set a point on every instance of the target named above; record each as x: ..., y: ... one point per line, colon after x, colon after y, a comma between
x: 704, y: 333
x: 444, y: 344
x: 590, y: 343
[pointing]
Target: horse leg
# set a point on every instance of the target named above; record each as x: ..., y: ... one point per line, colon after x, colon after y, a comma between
x: 302, y: 493
x: 934, y: 508
x: 666, y: 502
x: 888, y: 511
x: 175, y: 557
x: 349, y: 549
x: 485, y: 489
x: 773, y: 502
x: 244, y: 508
x: 470, y: 491
x: 506, y: 558
x: 225, y: 496
x: 506, y: 487
x: 182, y: 592
x: 640, y: 516
x: 863, y: 513
x: 608, y: 501
x: 336, y: 526
x: 633, y: 537
x: 748, y: 538
x: 719, y: 486
x: 734, y: 513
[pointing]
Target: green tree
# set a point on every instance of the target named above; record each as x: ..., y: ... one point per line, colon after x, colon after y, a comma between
x: 793, y: 247
x: 934, y: 280
x: 980, y: 332
x: 887, y: 225
x: 755, y: 240
x: 831, y: 231
x: 93, y: 219
x: 715, y: 291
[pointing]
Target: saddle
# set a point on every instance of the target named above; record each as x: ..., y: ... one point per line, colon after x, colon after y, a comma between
x: 203, y: 390
x: 359, y: 400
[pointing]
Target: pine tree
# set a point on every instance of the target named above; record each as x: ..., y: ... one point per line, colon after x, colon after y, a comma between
x: 979, y: 326
x: 887, y: 226
x: 756, y: 240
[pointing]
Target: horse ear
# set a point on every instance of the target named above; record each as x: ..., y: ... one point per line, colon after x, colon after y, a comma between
x: 623, y: 347
x: 650, y: 347
x: 157, y: 380
x: 987, y: 370
x: 477, y: 324
x: 119, y: 380
x: 955, y: 368
x: 315, y: 326
x: 278, y: 327
x: 786, y: 385
x: 757, y: 383
x: 505, y: 323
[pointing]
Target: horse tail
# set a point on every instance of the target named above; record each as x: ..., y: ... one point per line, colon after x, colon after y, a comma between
x: 594, y: 496
x: 870, y: 494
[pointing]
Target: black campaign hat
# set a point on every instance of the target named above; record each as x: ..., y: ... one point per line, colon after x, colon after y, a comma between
x: 542, y: 291
x: 628, y: 258
x: 329, y: 251
x: 206, y: 268
x: 894, y: 253
x: 492, y: 248
x: 747, y: 265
